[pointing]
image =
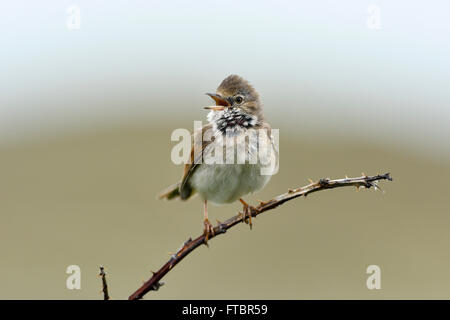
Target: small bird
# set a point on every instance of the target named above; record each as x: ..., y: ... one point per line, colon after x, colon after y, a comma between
x: 236, y: 119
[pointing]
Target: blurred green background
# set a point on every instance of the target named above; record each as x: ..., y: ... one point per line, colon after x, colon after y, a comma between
x: 85, y: 123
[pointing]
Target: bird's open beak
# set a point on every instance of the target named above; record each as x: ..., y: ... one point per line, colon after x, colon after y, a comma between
x: 221, y: 103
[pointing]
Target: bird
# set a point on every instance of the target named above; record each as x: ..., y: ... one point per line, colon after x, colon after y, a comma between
x: 236, y: 119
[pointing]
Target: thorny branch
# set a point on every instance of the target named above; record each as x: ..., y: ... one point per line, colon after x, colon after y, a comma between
x: 104, y: 284
x: 154, y: 282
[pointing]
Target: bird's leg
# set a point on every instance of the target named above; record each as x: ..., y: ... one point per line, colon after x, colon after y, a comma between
x: 208, y: 227
x: 247, y: 212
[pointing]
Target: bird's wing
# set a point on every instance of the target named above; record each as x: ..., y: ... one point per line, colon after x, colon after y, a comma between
x: 266, y: 126
x: 189, y: 168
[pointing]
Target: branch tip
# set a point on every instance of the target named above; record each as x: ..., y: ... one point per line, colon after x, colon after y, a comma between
x: 104, y: 283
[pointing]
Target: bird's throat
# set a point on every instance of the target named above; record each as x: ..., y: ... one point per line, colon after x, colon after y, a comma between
x: 231, y: 121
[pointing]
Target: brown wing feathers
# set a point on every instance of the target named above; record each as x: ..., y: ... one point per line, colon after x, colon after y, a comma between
x: 183, y: 188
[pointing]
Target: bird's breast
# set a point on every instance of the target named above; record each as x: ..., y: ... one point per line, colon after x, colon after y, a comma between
x: 238, y: 173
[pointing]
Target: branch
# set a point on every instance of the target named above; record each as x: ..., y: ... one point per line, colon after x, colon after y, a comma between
x: 104, y: 284
x: 154, y: 282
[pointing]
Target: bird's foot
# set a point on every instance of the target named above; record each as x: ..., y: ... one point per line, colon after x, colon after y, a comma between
x: 208, y: 229
x: 247, y: 213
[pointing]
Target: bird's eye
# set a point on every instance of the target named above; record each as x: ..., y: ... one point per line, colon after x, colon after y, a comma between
x: 238, y: 99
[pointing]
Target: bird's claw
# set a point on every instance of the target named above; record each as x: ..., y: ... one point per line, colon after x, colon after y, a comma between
x: 208, y: 229
x: 247, y: 213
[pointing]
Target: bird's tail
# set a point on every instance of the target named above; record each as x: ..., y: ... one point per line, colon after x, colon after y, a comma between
x: 170, y: 192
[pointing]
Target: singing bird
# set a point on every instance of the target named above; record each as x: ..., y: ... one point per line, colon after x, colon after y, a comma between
x: 236, y: 119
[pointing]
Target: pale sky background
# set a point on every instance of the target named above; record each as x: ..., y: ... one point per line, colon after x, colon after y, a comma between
x: 315, y: 63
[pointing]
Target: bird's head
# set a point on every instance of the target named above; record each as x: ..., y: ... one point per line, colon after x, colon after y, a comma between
x: 237, y: 105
